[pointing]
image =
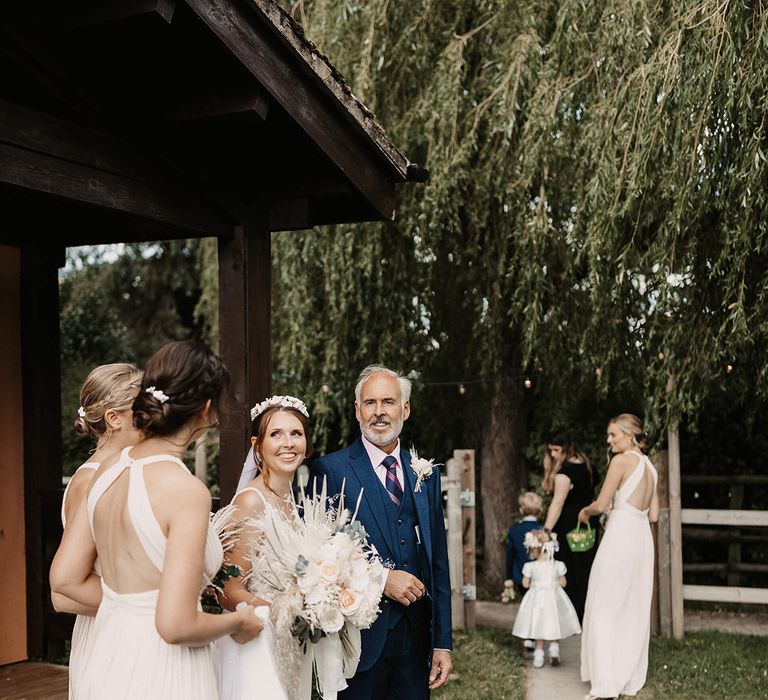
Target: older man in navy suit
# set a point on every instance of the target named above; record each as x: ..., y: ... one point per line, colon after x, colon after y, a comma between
x: 407, y: 651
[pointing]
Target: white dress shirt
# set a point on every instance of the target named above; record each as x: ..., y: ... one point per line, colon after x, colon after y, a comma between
x: 377, y: 456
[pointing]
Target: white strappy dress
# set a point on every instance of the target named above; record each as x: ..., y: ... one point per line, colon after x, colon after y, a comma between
x: 248, y: 671
x: 128, y: 660
x: 81, y: 632
x: 617, y: 615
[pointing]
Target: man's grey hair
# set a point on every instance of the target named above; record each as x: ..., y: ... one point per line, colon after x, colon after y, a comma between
x: 370, y: 370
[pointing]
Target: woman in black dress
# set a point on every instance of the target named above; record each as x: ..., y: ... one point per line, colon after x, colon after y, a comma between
x: 568, y: 477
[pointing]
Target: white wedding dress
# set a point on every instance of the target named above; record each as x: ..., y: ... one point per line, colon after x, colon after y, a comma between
x: 127, y: 659
x: 248, y: 671
x: 617, y: 615
x: 81, y: 632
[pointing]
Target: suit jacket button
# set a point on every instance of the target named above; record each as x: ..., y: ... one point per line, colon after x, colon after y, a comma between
x: 399, y: 522
x: 386, y: 602
x: 402, y: 541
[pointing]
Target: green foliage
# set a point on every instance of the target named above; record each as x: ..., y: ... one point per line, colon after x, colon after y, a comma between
x: 596, y: 212
x: 121, y: 309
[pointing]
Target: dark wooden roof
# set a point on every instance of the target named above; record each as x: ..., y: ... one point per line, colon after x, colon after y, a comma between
x: 185, y: 117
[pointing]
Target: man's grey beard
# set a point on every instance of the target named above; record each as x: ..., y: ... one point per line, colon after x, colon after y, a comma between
x: 382, y: 440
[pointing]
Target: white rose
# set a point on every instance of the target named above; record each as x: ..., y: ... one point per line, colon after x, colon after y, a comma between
x: 331, y: 620
x: 349, y: 601
x: 328, y: 570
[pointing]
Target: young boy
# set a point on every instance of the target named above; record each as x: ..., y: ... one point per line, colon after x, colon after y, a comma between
x: 530, y: 507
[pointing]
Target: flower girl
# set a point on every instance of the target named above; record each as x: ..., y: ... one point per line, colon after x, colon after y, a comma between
x: 546, y: 612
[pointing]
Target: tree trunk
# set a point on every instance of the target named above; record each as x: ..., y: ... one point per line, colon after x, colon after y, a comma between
x: 503, y: 474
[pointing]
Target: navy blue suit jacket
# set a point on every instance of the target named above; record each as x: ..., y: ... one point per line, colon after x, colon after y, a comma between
x: 517, y: 555
x: 352, y: 466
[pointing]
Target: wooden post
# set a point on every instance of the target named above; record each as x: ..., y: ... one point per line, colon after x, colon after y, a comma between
x: 675, y: 535
x: 466, y: 459
x: 244, y: 340
x: 452, y: 484
x: 734, y: 548
x: 662, y: 583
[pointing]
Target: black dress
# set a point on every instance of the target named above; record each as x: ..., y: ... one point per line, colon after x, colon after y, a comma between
x: 577, y: 563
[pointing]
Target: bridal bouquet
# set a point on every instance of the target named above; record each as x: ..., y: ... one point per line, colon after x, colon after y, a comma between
x: 325, y: 583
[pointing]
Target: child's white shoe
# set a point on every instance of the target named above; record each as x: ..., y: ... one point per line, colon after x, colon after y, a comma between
x: 538, y: 658
x: 554, y: 653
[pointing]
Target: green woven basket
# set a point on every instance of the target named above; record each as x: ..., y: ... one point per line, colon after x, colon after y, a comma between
x: 581, y: 540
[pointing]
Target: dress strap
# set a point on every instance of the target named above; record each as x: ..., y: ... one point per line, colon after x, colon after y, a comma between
x: 143, y: 519
x: 104, y: 481
x: 89, y: 466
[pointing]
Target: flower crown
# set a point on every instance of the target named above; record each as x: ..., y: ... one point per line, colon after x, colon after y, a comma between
x: 283, y: 402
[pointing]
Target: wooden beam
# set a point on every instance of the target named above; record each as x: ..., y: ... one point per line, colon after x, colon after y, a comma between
x: 746, y: 479
x: 726, y: 594
x: 242, y: 101
x: 735, y: 518
x: 675, y: 535
x: 44, y: 154
x: 255, y: 43
x: 245, y: 280
x: 92, y: 14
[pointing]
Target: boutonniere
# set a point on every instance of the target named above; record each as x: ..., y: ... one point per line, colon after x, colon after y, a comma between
x: 422, y: 468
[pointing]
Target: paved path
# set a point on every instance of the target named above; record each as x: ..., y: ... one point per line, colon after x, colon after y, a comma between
x: 549, y: 682
x: 563, y: 682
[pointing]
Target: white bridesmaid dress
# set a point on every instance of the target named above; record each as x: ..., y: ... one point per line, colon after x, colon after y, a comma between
x: 127, y: 658
x: 617, y: 615
x: 81, y: 632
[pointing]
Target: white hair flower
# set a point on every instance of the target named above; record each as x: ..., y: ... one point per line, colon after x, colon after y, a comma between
x: 81, y: 412
x: 283, y: 402
x: 160, y: 395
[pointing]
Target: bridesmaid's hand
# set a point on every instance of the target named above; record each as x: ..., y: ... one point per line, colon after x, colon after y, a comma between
x: 250, y: 625
x: 584, y: 516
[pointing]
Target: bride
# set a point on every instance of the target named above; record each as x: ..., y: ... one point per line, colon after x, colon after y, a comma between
x: 279, y: 445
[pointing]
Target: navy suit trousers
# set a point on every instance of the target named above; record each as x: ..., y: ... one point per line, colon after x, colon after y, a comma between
x: 402, y: 670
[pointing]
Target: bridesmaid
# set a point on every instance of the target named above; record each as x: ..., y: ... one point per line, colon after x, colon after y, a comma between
x: 105, y: 415
x: 617, y: 616
x: 148, y: 521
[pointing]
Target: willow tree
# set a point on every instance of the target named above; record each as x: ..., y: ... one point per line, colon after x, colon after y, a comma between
x: 596, y: 215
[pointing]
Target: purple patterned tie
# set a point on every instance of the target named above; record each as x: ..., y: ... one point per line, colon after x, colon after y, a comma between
x: 394, y: 489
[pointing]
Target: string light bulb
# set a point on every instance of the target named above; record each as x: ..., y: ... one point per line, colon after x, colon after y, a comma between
x: 729, y: 368
x: 528, y: 383
x: 462, y: 389
x: 661, y: 356
x: 325, y: 389
x: 598, y: 372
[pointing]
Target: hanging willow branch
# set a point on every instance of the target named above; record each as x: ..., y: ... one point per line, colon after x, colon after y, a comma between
x: 597, y: 194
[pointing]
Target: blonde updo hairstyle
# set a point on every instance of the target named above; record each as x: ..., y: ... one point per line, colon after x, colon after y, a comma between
x: 259, y: 427
x: 631, y: 425
x: 111, y: 387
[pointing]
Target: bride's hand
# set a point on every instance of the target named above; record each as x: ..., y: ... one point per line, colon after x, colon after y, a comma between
x: 250, y: 625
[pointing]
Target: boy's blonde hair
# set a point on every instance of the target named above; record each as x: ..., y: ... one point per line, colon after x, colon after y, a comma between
x: 530, y: 503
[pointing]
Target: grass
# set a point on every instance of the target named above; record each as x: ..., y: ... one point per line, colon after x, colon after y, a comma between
x: 708, y: 666
x: 489, y: 665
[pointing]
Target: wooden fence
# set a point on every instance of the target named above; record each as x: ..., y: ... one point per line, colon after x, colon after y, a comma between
x: 459, y: 485
x: 670, y: 591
